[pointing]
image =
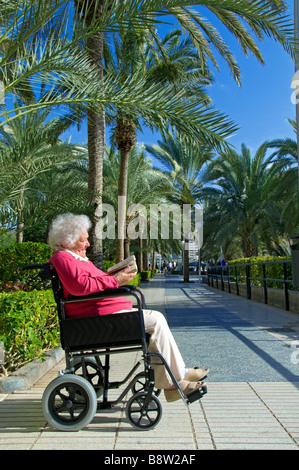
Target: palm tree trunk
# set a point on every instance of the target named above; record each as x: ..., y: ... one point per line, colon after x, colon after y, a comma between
x: 145, y: 260
x: 96, y: 131
x: 127, y: 247
x: 154, y: 260
x: 20, y: 225
x: 186, y: 259
x: 125, y: 136
x: 121, y: 213
x: 127, y: 241
x: 139, y: 256
x: 250, y: 248
x: 96, y: 148
x: 96, y: 145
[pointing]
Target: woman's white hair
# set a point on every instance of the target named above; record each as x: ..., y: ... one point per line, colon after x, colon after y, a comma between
x: 67, y: 229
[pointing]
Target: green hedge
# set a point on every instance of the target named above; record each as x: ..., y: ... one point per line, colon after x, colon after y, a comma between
x: 28, y: 326
x: 136, y: 280
x: 146, y: 275
x: 107, y: 264
x: 14, y: 257
x: 273, y: 271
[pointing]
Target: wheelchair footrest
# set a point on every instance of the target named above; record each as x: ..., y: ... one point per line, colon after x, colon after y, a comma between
x: 197, y: 394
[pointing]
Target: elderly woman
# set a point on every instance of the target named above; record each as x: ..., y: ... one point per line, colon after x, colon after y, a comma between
x: 68, y: 237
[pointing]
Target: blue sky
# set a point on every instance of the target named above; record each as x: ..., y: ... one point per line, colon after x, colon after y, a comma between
x: 260, y: 107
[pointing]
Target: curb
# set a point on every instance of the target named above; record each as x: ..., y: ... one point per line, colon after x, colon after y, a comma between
x: 27, y: 375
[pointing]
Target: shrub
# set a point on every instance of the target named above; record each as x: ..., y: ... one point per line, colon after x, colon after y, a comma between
x: 136, y: 280
x: 28, y: 326
x: 273, y: 271
x: 107, y: 264
x: 145, y: 275
x: 14, y: 257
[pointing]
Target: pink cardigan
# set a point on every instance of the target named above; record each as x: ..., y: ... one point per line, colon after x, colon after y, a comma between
x: 82, y: 278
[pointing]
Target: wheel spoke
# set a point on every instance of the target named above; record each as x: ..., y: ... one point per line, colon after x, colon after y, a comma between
x: 143, y: 416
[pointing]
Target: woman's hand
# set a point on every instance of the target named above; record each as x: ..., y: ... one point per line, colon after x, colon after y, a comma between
x: 124, y: 277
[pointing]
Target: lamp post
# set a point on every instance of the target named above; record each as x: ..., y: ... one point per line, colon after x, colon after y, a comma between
x: 199, y: 232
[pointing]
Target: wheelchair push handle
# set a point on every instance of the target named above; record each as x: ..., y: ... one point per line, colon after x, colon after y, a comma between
x: 33, y: 266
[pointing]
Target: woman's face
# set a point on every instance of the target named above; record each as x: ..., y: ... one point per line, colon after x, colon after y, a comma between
x: 80, y: 246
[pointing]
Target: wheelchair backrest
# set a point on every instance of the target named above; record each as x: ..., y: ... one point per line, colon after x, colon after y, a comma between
x: 47, y: 272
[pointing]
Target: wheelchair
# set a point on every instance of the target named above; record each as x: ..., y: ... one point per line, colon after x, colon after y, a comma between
x: 72, y: 399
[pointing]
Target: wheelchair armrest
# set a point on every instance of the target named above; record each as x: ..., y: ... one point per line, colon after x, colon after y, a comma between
x: 33, y: 266
x: 107, y: 293
x: 135, y: 289
x: 98, y: 295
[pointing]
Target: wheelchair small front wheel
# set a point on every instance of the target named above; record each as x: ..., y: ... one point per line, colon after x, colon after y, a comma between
x: 143, y: 416
x: 69, y: 403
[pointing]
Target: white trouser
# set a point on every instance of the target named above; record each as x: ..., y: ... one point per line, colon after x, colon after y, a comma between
x: 162, y: 341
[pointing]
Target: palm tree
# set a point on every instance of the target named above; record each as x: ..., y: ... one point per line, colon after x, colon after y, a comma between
x: 142, y: 178
x: 95, y: 122
x: 285, y: 158
x: 146, y: 186
x: 63, y: 188
x: 171, y: 61
x: 36, y: 45
x: 228, y: 14
x: 29, y: 147
x: 242, y: 200
x: 185, y: 165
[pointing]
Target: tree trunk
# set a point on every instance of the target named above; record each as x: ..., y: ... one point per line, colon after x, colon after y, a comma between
x: 139, y: 256
x: 127, y: 243
x: 96, y: 145
x: 125, y: 136
x: 122, y: 207
x: 96, y: 148
x: 96, y: 133
x: 145, y: 260
x: 154, y: 260
x: 250, y: 248
x: 20, y: 224
x: 186, y: 260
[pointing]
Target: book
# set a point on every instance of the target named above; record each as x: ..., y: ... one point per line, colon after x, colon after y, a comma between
x: 119, y: 267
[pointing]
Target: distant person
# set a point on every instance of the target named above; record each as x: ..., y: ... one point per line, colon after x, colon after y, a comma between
x: 169, y: 267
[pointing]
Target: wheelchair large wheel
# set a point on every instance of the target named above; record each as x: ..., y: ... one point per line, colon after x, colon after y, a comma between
x: 141, y: 416
x: 140, y: 384
x: 69, y: 403
x: 92, y: 373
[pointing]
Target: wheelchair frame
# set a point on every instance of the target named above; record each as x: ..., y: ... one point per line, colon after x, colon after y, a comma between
x: 72, y: 399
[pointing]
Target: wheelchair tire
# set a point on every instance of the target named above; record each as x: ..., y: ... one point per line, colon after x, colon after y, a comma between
x: 69, y: 403
x: 139, y: 384
x: 93, y: 373
x: 143, y: 417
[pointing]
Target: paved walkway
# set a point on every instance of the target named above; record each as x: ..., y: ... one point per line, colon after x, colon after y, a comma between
x: 253, y: 387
